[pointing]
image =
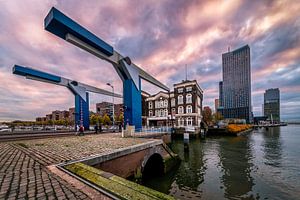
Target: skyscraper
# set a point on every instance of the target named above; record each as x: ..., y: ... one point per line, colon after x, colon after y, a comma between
x: 217, y: 105
x: 221, y: 94
x: 272, y: 104
x: 235, y: 102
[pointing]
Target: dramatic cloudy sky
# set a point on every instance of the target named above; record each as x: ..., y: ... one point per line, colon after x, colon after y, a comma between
x: 161, y: 37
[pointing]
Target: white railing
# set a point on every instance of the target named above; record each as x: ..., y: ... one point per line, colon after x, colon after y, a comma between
x: 153, y: 129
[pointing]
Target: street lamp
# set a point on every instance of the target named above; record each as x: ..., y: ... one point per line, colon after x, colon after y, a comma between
x: 113, y: 106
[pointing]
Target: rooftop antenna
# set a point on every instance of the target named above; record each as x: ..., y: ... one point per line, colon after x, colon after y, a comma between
x: 185, y: 72
x: 228, y: 48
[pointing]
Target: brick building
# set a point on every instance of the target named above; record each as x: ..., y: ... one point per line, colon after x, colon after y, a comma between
x: 49, y: 117
x: 182, y: 107
x: 145, y: 95
x: 72, y: 115
x: 41, y: 119
x: 106, y: 108
x: 55, y: 115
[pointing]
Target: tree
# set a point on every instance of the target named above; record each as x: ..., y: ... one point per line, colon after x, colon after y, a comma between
x: 100, y: 120
x: 207, y: 114
x: 50, y: 122
x: 119, y: 118
x: 58, y: 122
x: 66, y: 122
x: 217, y: 116
x: 93, y: 119
x: 106, y: 119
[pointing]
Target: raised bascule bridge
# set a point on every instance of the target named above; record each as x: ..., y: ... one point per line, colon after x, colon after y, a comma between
x: 104, y: 172
x: 67, y: 29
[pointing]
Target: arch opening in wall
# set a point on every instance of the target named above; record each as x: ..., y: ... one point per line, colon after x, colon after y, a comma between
x: 154, y: 167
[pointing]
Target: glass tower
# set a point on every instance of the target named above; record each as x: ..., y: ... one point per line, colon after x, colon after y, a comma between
x: 272, y: 104
x: 236, y: 86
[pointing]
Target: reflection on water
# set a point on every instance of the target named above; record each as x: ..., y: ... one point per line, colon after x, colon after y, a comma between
x: 263, y: 165
x: 272, y: 146
x: 235, y: 157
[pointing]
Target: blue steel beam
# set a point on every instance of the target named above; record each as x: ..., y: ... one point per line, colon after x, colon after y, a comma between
x: 25, y: 71
x: 77, y: 88
x: 64, y: 27
x: 74, y: 86
x: 59, y: 24
x: 67, y: 29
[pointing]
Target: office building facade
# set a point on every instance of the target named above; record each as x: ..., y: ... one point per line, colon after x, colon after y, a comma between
x: 271, y: 105
x: 217, y: 105
x: 107, y: 108
x: 235, y: 89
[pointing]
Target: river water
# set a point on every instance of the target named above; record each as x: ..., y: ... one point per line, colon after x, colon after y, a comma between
x: 265, y: 164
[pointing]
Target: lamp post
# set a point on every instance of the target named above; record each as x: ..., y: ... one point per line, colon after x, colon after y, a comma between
x: 113, y: 105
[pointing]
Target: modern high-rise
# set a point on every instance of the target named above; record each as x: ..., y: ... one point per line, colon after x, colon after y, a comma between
x: 217, y: 105
x: 221, y: 94
x: 272, y: 104
x: 235, y: 89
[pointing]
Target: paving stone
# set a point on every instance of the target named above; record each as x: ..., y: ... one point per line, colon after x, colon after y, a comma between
x: 24, y: 172
x: 22, y: 175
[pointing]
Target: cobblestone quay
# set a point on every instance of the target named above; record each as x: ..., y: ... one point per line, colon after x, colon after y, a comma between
x: 23, y: 164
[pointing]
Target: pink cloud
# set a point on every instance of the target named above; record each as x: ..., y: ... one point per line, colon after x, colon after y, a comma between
x: 161, y: 37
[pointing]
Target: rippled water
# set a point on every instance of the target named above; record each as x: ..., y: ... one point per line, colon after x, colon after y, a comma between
x: 262, y: 165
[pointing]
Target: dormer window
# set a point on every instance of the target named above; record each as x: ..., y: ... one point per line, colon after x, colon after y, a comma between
x: 180, y: 90
x: 189, y: 98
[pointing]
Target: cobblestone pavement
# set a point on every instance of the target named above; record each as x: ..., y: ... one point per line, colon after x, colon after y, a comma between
x: 23, y: 171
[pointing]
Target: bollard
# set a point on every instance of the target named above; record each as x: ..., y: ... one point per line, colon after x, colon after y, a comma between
x: 186, y: 139
x: 202, y: 133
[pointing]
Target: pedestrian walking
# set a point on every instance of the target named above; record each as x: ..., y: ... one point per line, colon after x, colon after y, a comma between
x: 81, y: 130
x: 77, y: 129
x: 96, y: 128
x: 100, y: 128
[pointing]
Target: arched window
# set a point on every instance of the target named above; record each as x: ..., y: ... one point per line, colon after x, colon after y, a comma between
x: 166, y: 103
x: 189, y: 109
x: 180, y: 122
x: 156, y: 104
x: 180, y: 110
x: 189, y: 121
x: 189, y: 98
x: 161, y: 113
x: 173, y: 102
x: 161, y: 104
x: 173, y: 111
x: 180, y: 99
x: 150, y: 104
x: 166, y: 112
x: 150, y: 113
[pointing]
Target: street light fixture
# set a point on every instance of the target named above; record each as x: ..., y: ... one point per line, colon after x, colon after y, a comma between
x: 113, y: 105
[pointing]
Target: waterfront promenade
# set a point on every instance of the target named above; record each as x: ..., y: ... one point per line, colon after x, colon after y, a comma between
x: 24, y: 165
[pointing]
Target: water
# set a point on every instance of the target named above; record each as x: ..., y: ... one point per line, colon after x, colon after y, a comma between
x: 262, y: 165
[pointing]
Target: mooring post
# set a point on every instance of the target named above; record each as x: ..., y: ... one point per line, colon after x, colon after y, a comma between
x: 186, y: 140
